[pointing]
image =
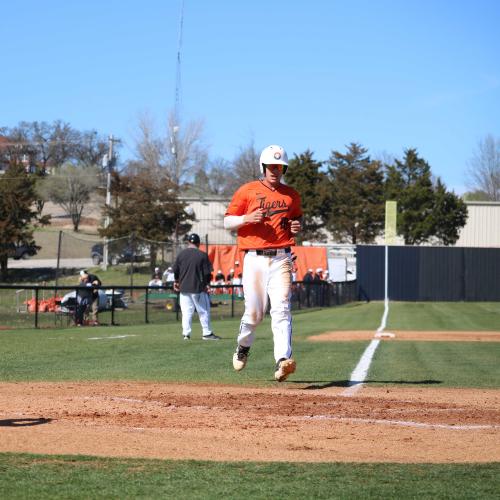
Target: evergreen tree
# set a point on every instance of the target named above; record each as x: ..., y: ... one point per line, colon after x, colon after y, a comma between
x: 409, y: 183
x: 355, y: 207
x: 448, y: 216
x: 147, y: 207
x: 425, y: 211
x: 305, y: 176
x: 18, y: 216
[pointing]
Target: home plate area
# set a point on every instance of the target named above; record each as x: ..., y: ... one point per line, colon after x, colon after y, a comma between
x: 217, y: 422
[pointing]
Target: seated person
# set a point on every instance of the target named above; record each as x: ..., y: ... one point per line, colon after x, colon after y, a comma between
x: 156, y: 281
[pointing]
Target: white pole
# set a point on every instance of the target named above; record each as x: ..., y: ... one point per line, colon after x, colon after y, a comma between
x: 383, y: 324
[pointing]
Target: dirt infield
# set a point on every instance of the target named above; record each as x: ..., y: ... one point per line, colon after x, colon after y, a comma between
x: 213, y: 422
x: 408, y: 335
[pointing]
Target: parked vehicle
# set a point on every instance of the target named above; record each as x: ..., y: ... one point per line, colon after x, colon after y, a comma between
x: 22, y: 250
x: 106, y: 300
x: 118, y: 253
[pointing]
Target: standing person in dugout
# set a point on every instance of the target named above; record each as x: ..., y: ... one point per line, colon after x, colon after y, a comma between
x: 267, y: 215
x: 192, y: 272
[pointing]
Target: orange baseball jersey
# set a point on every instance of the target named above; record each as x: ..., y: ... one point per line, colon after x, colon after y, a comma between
x: 282, y: 205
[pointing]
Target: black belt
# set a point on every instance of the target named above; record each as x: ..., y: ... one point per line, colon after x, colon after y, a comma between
x: 270, y: 252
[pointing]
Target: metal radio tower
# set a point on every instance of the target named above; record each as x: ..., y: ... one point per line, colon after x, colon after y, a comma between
x: 176, y: 117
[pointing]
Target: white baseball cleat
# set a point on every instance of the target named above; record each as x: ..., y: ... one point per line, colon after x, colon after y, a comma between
x: 284, y: 367
x: 240, y: 357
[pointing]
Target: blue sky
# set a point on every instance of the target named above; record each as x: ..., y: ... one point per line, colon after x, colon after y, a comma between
x: 307, y: 75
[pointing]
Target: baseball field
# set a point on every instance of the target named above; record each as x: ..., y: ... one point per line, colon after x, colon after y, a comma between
x: 136, y: 412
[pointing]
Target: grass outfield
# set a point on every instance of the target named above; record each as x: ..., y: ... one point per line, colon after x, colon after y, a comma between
x: 41, y: 477
x: 157, y: 352
x: 444, y: 316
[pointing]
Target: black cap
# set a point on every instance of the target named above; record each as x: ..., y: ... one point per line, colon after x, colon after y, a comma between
x: 194, y: 238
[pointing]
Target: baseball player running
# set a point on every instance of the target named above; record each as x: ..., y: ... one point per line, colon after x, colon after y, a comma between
x: 192, y: 272
x: 267, y: 215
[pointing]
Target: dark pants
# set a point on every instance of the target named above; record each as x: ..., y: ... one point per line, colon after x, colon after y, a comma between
x: 81, y: 308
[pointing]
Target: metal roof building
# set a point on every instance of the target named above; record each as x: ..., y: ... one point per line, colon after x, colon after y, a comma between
x: 209, y: 211
x: 482, y: 228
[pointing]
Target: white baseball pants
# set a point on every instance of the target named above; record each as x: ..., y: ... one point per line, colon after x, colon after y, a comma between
x: 190, y: 302
x: 262, y: 277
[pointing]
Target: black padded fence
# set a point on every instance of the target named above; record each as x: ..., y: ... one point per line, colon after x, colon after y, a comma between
x: 429, y: 273
x: 28, y: 306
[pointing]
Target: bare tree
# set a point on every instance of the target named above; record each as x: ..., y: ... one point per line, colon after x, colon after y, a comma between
x: 188, y: 154
x: 214, y: 178
x: 70, y: 188
x: 245, y: 167
x: 483, y: 171
x: 179, y: 150
x: 90, y: 148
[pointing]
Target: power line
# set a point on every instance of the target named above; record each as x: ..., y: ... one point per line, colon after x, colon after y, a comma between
x: 47, y: 143
x: 3, y: 177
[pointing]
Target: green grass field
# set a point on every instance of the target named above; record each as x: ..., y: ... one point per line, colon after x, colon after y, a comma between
x: 157, y: 353
x: 61, y: 477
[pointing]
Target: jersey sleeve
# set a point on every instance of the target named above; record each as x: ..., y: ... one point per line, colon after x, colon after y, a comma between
x: 238, y: 204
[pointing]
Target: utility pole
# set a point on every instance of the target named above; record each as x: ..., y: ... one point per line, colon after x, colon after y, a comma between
x: 108, y: 162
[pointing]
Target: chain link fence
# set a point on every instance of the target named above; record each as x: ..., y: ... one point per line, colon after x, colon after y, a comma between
x: 34, y: 306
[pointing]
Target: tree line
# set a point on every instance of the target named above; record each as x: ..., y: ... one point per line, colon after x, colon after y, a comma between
x: 344, y: 195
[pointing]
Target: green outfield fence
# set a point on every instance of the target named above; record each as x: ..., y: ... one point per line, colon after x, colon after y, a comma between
x: 32, y: 306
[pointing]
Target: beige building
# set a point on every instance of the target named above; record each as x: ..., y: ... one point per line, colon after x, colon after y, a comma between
x: 209, y: 211
x: 483, y: 225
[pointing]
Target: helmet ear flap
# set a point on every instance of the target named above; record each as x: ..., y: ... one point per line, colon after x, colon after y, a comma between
x: 285, y: 168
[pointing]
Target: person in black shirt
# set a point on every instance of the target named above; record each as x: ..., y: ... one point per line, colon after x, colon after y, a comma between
x: 94, y: 281
x: 192, y: 272
x: 83, y: 298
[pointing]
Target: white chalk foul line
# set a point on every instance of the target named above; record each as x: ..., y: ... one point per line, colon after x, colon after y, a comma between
x: 113, y: 337
x: 404, y: 423
x: 359, y: 374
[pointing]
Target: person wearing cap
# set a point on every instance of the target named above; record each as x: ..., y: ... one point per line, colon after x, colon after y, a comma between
x: 192, y: 271
x: 83, y: 297
x: 94, y: 281
x: 168, y: 277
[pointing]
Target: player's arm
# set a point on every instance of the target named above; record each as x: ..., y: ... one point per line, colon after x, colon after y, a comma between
x: 236, y: 215
x: 233, y: 222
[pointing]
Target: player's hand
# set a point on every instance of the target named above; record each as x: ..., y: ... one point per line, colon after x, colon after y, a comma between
x: 295, y: 226
x: 176, y: 286
x: 255, y: 217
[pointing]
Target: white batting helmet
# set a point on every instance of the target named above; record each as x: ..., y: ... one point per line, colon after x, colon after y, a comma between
x: 273, y: 155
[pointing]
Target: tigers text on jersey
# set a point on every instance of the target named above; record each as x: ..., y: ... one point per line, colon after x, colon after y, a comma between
x: 281, y: 206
